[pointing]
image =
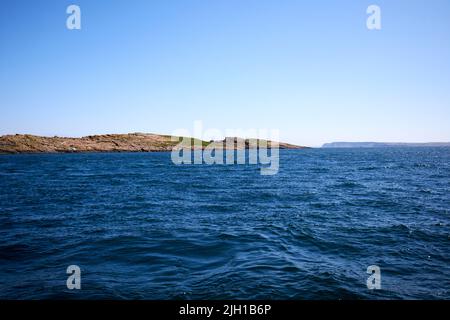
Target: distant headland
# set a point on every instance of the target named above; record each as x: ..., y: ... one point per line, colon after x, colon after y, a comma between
x: 132, y: 142
x: 383, y: 144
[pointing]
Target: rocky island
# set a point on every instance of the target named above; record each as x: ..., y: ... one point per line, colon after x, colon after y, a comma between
x: 132, y: 142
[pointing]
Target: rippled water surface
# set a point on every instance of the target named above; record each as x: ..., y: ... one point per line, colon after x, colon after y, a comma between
x: 140, y: 227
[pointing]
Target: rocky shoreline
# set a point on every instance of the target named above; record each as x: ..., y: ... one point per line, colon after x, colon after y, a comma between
x: 132, y: 142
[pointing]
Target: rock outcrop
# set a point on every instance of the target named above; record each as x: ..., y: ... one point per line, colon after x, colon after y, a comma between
x: 133, y: 142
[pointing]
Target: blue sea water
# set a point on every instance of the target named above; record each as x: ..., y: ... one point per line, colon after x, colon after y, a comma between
x: 140, y: 227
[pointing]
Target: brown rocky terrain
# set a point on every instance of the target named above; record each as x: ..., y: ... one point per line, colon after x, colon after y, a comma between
x: 133, y: 142
x: 240, y: 143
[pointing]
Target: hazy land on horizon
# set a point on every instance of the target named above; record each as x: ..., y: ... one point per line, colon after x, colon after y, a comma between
x: 384, y: 144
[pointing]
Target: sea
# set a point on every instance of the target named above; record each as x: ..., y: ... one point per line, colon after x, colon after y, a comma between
x: 139, y: 227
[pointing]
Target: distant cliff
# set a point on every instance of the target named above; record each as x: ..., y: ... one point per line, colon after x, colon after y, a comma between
x: 383, y: 144
x: 133, y: 142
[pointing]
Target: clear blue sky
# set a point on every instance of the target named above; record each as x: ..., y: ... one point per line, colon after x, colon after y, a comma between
x: 309, y: 68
